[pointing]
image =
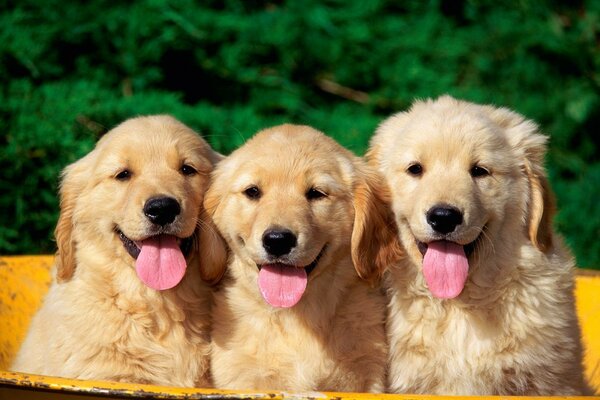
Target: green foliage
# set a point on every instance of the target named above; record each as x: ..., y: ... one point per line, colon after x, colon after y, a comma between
x: 70, y: 71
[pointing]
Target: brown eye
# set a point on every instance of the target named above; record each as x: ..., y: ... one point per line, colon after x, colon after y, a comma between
x: 124, y: 175
x: 188, y: 170
x: 477, y: 171
x: 315, y: 194
x: 415, y: 169
x: 253, y: 193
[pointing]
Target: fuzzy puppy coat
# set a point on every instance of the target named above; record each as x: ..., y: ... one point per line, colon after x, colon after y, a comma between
x: 483, y: 302
x: 127, y: 305
x: 304, y: 221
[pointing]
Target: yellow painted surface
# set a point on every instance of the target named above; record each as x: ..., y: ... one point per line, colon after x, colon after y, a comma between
x: 588, y: 310
x: 126, y: 390
x: 24, y: 281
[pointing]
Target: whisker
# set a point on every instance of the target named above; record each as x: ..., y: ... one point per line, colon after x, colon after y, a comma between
x: 203, y: 225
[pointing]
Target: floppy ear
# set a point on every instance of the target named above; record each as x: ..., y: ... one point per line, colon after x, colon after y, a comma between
x: 211, y: 245
x: 531, y: 148
x: 71, y: 185
x: 375, y: 242
x: 65, y: 255
x: 541, y: 207
x: 215, y: 157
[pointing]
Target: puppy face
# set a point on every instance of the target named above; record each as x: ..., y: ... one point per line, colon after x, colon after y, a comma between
x: 286, y: 204
x: 463, y: 179
x: 137, y: 196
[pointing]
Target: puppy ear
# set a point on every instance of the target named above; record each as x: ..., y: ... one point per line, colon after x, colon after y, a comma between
x: 375, y: 244
x: 215, y: 157
x: 71, y: 185
x: 65, y: 255
x: 541, y: 207
x: 530, y: 146
x: 212, y: 246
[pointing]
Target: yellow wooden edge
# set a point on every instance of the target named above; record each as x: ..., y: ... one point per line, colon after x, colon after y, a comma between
x: 128, y: 390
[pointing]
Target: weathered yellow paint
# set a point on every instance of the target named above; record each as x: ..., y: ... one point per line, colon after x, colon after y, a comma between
x: 127, y: 390
x: 9, y: 382
x: 24, y: 281
x: 115, y: 389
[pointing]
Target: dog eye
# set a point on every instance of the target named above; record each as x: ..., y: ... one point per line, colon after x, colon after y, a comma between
x: 188, y: 170
x: 124, y: 175
x: 253, y: 193
x: 477, y: 171
x: 415, y: 169
x: 315, y: 194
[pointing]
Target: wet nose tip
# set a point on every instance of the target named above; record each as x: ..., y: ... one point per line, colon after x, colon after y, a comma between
x: 278, y: 242
x: 161, y: 210
x: 444, y: 219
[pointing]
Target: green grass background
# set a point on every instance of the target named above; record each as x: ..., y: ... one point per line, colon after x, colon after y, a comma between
x: 70, y: 71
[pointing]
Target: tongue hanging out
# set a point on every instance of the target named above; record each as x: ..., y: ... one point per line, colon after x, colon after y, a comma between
x: 161, y: 264
x: 445, y: 267
x: 282, y: 285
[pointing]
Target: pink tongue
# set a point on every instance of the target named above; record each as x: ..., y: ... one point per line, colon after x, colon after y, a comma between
x: 281, y: 285
x: 445, y: 267
x: 161, y: 264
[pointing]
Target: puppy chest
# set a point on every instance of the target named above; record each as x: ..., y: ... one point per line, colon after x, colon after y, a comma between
x: 269, y: 358
x: 440, y: 354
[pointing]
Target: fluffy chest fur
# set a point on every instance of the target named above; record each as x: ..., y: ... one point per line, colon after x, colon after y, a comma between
x: 517, y: 338
x: 127, y: 333
x: 323, y: 343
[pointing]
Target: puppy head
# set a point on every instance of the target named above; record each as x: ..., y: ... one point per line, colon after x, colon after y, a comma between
x: 465, y: 180
x: 137, y: 196
x: 291, y: 203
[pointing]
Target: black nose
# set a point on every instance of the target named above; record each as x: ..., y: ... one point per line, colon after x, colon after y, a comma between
x: 444, y: 219
x: 278, y: 242
x: 161, y: 210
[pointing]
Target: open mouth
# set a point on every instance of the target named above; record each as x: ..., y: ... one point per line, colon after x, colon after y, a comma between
x: 468, y: 248
x: 446, y: 266
x: 283, y: 285
x: 134, y: 247
x: 307, y: 268
x: 160, y: 260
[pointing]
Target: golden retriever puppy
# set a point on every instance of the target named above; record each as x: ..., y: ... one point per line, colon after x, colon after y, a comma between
x: 128, y: 303
x: 304, y: 222
x: 483, y: 302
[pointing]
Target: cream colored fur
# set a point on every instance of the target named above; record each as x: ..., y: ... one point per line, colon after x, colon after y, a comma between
x: 333, y: 338
x: 513, y: 330
x: 99, y: 321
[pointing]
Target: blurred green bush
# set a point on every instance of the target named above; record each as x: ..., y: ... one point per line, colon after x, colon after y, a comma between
x: 70, y: 71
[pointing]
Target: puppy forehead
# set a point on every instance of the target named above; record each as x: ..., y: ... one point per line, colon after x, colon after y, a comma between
x: 291, y: 152
x: 266, y: 177
x: 449, y: 136
x: 296, y: 140
x: 152, y: 141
